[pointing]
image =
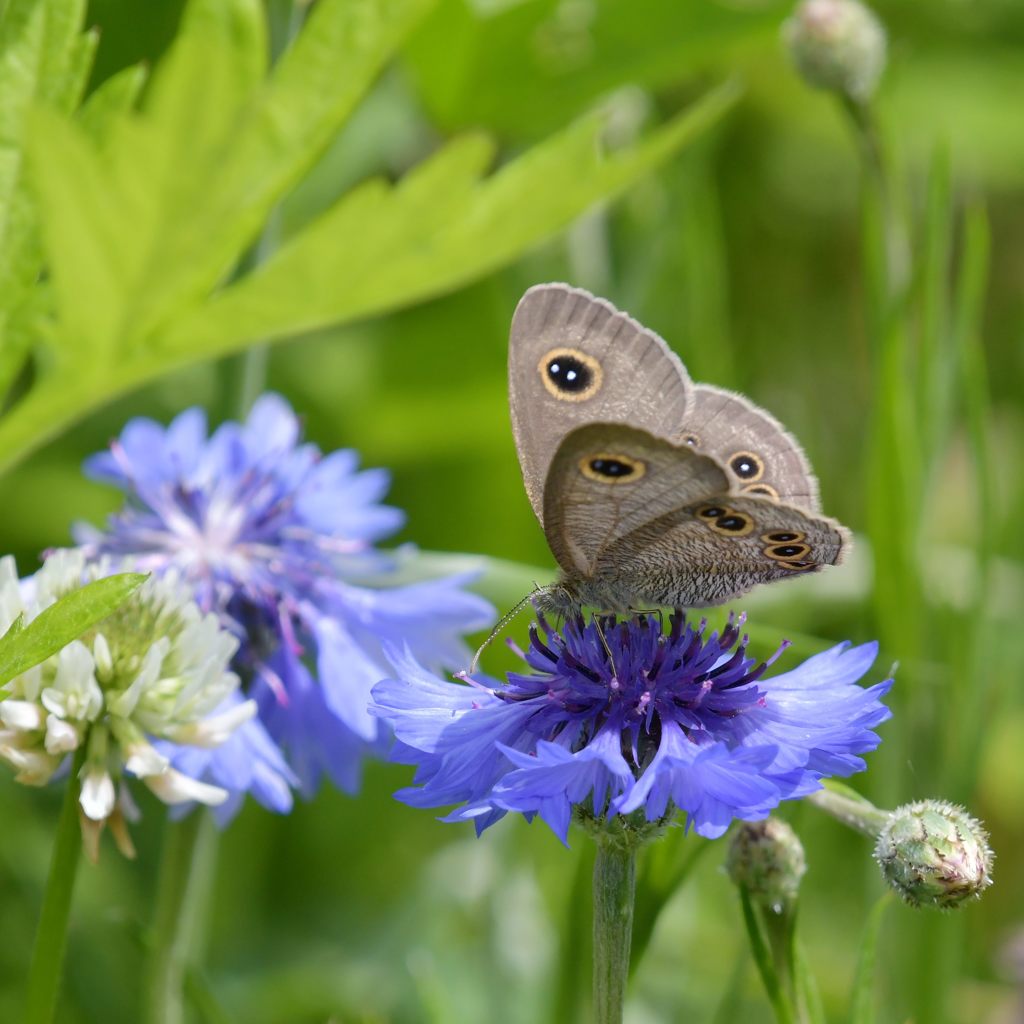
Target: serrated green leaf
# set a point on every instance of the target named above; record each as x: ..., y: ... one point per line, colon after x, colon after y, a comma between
x: 106, y: 105
x: 159, y: 216
x: 396, y: 249
x: 66, y: 620
x: 376, y: 251
x: 43, y: 57
x: 65, y: 55
x: 82, y: 230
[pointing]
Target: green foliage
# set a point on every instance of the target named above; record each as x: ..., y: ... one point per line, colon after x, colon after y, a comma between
x: 862, y: 1002
x: 24, y: 646
x: 743, y: 253
x: 146, y: 215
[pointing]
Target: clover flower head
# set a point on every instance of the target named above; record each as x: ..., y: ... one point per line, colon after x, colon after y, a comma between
x: 156, y: 669
x: 277, y: 539
x: 625, y: 717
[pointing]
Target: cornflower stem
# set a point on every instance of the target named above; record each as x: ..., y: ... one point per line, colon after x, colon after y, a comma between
x: 614, y: 896
x: 45, y: 972
x: 183, y: 891
x: 764, y: 936
x: 857, y: 813
x: 894, y: 242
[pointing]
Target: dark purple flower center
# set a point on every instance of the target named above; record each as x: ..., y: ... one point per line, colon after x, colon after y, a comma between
x: 633, y: 674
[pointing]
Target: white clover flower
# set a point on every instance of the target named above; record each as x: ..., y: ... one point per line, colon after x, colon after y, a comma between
x: 157, y: 668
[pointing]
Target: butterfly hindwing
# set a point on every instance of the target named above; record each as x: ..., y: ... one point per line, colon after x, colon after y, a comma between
x: 608, y: 480
x: 710, y: 551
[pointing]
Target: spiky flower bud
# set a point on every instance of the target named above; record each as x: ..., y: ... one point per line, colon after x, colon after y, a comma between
x: 838, y: 45
x: 934, y: 854
x: 767, y: 859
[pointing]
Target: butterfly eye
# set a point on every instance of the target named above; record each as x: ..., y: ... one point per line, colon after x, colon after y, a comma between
x: 746, y: 465
x: 711, y: 511
x: 798, y: 566
x: 692, y: 440
x: 612, y: 468
x: 569, y: 374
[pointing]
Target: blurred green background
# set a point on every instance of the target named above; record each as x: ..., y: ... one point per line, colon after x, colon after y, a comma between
x: 745, y: 252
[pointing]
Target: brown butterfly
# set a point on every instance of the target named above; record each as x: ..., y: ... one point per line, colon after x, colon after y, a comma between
x: 652, y: 490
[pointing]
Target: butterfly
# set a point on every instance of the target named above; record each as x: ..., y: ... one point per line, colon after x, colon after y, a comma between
x: 652, y: 490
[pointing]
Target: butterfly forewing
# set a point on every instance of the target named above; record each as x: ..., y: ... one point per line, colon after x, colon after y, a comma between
x: 761, y: 457
x: 574, y: 359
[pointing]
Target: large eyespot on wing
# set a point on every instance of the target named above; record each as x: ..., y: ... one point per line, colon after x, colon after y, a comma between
x: 574, y: 359
x: 760, y: 455
x: 608, y: 479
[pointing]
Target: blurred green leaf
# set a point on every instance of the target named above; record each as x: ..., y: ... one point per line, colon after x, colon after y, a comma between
x: 440, y: 227
x: 137, y: 244
x: 526, y: 68
x: 108, y: 104
x: 862, y: 999
x: 43, y: 58
x: 665, y: 866
x: 24, y: 646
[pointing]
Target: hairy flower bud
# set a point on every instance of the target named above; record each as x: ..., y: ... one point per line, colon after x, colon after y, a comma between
x: 934, y: 854
x: 838, y: 45
x: 767, y: 859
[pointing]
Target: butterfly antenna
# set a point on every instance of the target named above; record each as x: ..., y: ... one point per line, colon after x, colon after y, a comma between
x: 604, y: 642
x: 501, y: 624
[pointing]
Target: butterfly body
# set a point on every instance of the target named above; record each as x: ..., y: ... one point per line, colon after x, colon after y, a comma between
x: 652, y: 490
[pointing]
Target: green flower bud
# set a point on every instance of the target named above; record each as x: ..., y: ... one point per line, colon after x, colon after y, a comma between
x: 837, y: 45
x: 934, y: 854
x: 767, y: 859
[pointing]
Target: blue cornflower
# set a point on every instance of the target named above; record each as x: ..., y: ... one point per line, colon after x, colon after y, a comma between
x: 626, y: 718
x: 274, y: 536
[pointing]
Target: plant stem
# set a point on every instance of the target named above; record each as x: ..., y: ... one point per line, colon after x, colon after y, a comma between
x: 183, y: 890
x: 861, y: 815
x: 51, y: 935
x: 763, y: 958
x: 614, y: 893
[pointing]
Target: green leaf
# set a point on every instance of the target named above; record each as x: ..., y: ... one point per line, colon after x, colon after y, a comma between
x: 108, y: 103
x: 409, y: 242
x: 664, y: 868
x: 526, y: 68
x: 145, y: 214
x: 24, y: 646
x: 43, y: 57
x: 862, y: 1000
x: 160, y: 215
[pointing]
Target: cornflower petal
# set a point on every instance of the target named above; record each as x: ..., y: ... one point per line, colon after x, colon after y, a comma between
x: 627, y: 717
x: 272, y: 537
